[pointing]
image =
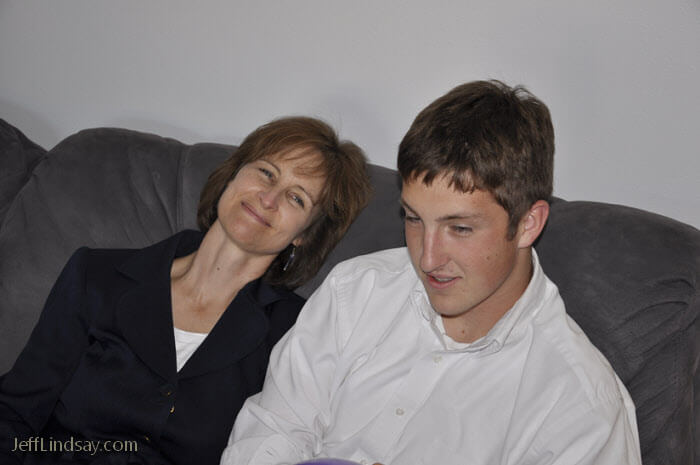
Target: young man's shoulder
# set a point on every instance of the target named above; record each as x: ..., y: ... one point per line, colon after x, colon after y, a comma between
x: 573, y: 363
x: 375, y: 286
x: 386, y: 263
x: 570, y: 347
x: 361, y: 299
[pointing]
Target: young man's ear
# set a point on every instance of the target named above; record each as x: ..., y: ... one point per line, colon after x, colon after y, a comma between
x: 532, y: 223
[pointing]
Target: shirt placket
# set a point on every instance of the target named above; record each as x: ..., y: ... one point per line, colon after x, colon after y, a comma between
x: 388, y: 427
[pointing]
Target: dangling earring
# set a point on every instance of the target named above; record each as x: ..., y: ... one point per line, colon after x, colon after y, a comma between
x: 290, y: 259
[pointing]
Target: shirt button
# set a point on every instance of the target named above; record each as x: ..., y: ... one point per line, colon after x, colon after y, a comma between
x: 437, y: 359
x: 399, y: 411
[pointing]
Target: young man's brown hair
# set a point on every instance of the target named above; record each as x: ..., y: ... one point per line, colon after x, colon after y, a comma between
x: 485, y: 135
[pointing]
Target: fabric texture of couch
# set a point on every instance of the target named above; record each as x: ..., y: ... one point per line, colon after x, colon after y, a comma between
x: 630, y: 278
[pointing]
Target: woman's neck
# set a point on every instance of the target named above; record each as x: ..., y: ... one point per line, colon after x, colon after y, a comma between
x: 204, y: 282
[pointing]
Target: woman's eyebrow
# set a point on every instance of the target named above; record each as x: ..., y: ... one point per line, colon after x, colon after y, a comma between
x: 311, y: 199
x: 270, y: 162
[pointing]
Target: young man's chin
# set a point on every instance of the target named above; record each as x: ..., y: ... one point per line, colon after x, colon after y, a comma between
x: 448, y: 306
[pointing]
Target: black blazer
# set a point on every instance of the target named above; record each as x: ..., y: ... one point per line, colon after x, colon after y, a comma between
x: 100, y: 363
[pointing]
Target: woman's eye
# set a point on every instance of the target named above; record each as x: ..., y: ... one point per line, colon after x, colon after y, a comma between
x: 267, y: 173
x: 298, y: 200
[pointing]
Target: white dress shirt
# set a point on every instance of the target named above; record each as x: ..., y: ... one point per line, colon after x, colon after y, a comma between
x: 368, y: 374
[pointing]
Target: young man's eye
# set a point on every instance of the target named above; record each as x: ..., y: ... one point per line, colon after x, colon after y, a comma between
x: 461, y: 229
x: 409, y: 217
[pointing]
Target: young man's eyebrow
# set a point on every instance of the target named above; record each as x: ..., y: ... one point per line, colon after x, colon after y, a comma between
x: 406, y: 206
x: 456, y: 216
x: 470, y: 216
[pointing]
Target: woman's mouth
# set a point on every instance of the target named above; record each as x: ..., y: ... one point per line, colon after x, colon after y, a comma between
x: 251, y: 211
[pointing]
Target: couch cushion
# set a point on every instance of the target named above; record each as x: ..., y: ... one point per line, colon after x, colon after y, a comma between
x: 630, y: 279
x: 18, y: 157
x: 120, y: 188
x: 99, y: 188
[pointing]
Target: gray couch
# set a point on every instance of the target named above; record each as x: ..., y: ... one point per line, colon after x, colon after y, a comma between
x: 629, y: 278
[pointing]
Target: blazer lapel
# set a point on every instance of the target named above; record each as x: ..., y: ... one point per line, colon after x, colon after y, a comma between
x: 240, y: 330
x: 144, y: 312
x: 145, y: 318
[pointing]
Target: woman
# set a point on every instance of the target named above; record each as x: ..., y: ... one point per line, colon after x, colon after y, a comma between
x: 145, y: 356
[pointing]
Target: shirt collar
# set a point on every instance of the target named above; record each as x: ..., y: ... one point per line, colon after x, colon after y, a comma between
x: 507, y: 329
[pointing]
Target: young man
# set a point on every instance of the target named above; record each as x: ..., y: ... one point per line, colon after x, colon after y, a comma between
x: 456, y: 349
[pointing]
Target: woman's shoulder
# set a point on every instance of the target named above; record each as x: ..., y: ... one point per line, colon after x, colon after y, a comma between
x: 283, y: 312
x: 286, y: 302
x: 98, y: 263
x: 139, y: 263
x: 86, y: 261
x: 292, y: 298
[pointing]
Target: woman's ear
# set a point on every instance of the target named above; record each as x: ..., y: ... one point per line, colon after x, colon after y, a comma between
x: 532, y: 223
x: 301, y: 238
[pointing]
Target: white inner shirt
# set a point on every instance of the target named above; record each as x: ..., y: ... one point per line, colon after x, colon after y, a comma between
x: 186, y: 342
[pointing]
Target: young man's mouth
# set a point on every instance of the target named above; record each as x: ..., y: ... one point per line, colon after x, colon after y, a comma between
x: 440, y: 282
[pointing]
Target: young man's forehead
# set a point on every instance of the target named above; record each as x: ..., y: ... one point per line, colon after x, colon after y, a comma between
x: 462, y: 181
x: 459, y: 183
x: 442, y: 198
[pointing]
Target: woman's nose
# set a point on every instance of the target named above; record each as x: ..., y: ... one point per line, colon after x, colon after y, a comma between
x: 269, y: 198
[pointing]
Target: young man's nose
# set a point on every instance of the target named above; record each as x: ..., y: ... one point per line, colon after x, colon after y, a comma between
x: 434, y: 254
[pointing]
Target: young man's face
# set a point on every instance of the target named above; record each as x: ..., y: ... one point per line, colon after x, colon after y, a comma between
x: 460, y: 250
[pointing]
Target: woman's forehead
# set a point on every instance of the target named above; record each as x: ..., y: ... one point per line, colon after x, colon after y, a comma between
x: 305, y: 161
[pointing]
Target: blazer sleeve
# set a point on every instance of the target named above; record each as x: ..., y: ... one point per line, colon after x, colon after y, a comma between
x: 30, y: 390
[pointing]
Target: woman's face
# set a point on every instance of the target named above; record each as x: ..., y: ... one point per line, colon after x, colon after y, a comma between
x: 270, y: 202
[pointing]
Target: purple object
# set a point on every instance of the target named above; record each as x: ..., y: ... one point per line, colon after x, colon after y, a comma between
x: 327, y: 462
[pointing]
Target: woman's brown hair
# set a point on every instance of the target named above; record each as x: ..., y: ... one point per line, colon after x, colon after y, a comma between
x: 346, y: 191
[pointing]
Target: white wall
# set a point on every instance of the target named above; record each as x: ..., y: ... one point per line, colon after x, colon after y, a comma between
x: 621, y: 77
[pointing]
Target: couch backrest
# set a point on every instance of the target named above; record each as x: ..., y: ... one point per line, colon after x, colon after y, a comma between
x: 18, y: 157
x: 631, y: 280
x: 113, y: 188
x: 628, y: 277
